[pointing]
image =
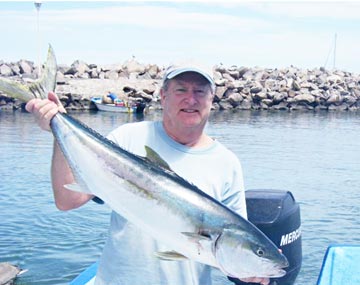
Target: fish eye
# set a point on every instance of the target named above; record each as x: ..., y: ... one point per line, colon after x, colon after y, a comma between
x: 260, y: 252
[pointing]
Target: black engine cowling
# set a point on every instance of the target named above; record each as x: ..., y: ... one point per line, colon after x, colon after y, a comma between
x: 276, y: 213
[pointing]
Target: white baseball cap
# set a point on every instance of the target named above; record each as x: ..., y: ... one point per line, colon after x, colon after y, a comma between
x: 175, y: 70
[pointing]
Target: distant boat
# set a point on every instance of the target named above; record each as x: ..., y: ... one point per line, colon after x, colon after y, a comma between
x: 118, y: 106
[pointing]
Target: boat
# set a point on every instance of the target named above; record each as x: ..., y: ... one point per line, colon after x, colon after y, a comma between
x: 341, y: 265
x: 87, y: 277
x: 118, y: 106
x: 276, y: 213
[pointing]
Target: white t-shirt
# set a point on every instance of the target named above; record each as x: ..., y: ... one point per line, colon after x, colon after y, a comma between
x: 128, y: 256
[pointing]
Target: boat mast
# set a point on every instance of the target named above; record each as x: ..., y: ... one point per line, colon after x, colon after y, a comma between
x: 334, y: 51
x: 38, y: 6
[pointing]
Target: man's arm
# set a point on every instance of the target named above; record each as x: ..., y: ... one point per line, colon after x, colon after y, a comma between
x: 61, y: 175
x: 43, y: 111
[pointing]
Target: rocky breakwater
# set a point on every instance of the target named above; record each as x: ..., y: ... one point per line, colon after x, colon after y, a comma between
x: 77, y: 83
x: 285, y: 89
x: 236, y: 87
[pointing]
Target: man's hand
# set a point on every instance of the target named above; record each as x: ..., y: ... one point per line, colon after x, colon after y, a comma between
x: 45, y: 109
x: 263, y: 281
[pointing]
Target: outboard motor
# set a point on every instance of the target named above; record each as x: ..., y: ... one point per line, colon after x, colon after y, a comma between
x: 276, y: 214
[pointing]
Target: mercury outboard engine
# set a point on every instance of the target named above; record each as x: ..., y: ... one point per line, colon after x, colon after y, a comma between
x: 276, y: 214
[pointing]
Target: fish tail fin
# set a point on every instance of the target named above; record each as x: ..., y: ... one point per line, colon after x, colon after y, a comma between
x: 37, y: 89
x: 15, y: 90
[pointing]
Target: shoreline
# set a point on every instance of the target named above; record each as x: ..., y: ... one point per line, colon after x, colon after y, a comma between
x: 237, y: 88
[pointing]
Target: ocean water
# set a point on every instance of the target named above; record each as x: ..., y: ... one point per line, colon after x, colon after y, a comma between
x: 314, y: 155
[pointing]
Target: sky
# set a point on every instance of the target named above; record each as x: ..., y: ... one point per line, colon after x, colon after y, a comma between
x: 267, y: 34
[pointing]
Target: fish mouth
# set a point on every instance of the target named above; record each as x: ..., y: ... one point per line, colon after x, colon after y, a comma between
x: 280, y: 273
x: 277, y: 270
x: 280, y: 269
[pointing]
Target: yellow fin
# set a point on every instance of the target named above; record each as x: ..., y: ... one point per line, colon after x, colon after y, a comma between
x: 153, y: 156
x: 170, y: 256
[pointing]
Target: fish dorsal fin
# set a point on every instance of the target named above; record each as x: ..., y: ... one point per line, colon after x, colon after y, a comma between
x: 170, y: 256
x: 155, y: 158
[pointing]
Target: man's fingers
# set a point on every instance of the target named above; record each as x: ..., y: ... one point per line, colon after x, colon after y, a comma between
x: 30, y: 105
x: 263, y: 281
x: 53, y: 97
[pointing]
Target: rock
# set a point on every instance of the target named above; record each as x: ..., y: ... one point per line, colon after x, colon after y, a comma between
x: 225, y: 105
x: 257, y: 97
x: 25, y: 66
x: 279, y: 97
x: 219, y: 93
x: 60, y: 78
x: 242, y: 71
x: 234, y: 73
x: 304, y: 98
x: 256, y: 89
x: 228, y: 77
x: 247, y: 75
x: 112, y: 74
x: 16, y: 69
x: 220, y: 68
x: 350, y: 100
x: 296, y: 86
x: 333, y: 79
x: 5, y: 70
x: 267, y: 102
x: 94, y: 73
x: 132, y: 66
x: 238, y: 84
x: 280, y: 106
x: 245, y: 104
x: 334, y: 99
x: 220, y: 82
x: 235, y: 99
x: 80, y: 67
x: 102, y: 75
x: 153, y: 70
x: 301, y: 106
x: 143, y: 95
x: 70, y: 70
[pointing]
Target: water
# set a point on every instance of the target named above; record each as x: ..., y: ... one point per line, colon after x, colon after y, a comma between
x: 314, y: 155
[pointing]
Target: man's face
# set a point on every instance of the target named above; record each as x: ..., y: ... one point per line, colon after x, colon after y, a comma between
x: 186, y: 101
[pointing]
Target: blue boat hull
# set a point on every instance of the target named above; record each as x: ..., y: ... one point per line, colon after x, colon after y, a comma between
x: 341, y: 266
x: 87, y: 277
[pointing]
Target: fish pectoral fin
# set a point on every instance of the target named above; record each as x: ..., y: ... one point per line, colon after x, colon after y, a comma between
x: 170, y: 256
x: 155, y: 158
x: 197, y: 237
x: 75, y: 187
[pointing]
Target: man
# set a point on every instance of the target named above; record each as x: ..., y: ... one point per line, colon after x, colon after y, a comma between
x: 186, y: 97
x: 109, y: 98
